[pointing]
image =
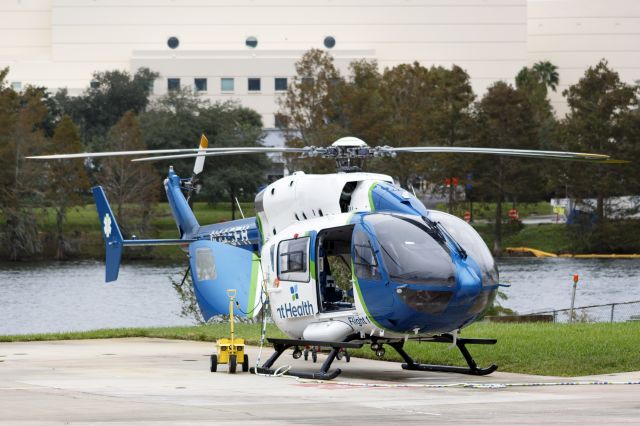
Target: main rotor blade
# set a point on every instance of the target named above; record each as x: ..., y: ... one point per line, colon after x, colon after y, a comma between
x: 199, y: 155
x: 559, y: 155
x: 163, y: 151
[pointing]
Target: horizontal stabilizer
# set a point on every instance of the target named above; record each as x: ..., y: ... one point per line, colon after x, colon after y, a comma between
x: 113, y: 241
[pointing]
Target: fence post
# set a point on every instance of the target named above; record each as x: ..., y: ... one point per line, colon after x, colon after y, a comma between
x: 573, y: 296
x: 613, y: 306
x: 555, y: 316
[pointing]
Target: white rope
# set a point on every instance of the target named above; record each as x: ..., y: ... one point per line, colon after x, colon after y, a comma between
x: 471, y: 385
x: 283, y: 369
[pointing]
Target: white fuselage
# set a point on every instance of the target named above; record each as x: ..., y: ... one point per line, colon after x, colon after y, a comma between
x: 290, y: 210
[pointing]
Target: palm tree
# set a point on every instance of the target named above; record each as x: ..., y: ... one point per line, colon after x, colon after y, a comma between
x: 548, y: 73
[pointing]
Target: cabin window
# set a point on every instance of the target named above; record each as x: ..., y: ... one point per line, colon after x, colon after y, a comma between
x: 293, y: 260
x: 364, y: 259
x: 205, y: 265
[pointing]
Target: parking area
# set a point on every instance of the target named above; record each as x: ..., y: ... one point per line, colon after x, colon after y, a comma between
x: 167, y: 382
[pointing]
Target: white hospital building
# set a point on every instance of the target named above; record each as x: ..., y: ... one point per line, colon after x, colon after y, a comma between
x: 246, y: 49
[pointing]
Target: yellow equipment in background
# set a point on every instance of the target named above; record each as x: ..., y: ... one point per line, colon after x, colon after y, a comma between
x: 230, y: 350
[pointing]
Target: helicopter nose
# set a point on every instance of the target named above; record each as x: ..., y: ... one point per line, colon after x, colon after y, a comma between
x: 469, y: 283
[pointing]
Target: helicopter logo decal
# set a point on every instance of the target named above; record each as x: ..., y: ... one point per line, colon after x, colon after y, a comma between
x: 107, y: 225
x: 294, y: 292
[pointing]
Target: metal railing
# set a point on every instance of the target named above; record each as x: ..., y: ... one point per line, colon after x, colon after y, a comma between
x: 609, y: 312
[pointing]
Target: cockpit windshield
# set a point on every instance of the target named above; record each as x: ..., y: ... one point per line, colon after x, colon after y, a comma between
x: 471, y: 242
x: 412, y: 252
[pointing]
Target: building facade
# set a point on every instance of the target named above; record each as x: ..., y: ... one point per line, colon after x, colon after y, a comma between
x: 245, y: 50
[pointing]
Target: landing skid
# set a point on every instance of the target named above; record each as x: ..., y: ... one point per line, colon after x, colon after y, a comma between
x: 281, y: 345
x: 461, y: 343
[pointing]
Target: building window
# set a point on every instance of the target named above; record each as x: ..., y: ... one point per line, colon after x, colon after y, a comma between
x: 281, y: 84
x: 254, y: 84
x: 173, y: 42
x: 329, y: 42
x: 226, y: 84
x: 94, y: 84
x: 307, y: 81
x: 201, y: 84
x: 251, y: 42
x: 173, y: 84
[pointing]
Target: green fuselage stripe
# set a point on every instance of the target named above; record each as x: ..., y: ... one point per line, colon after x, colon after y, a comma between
x: 260, y: 229
x: 361, y: 298
x: 312, y: 268
x: 251, y: 303
x: 373, y: 209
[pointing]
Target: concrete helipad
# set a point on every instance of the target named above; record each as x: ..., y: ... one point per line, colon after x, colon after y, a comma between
x: 167, y: 382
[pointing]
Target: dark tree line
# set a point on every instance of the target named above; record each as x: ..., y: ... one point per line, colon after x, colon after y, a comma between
x: 113, y: 114
x: 407, y: 105
x: 410, y: 105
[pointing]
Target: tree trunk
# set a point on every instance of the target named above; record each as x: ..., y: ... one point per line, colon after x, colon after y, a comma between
x: 600, y: 208
x: 232, y: 199
x: 451, y: 194
x: 60, y: 251
x: 497, y: 237
x: 497, y: 242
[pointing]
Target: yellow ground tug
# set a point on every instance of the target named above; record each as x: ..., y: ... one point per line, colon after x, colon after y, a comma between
x: 230, y: 350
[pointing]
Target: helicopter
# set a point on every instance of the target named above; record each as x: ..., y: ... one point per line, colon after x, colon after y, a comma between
x: 341, y: 260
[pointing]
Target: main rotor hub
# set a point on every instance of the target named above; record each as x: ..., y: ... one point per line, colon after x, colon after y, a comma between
x: 349, y: 153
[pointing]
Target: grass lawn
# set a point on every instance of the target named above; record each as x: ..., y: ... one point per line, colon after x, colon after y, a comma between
x: 545, y: 349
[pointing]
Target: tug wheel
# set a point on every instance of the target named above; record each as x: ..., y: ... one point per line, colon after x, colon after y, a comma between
x: 314, y: 355
x: 232, y: 364
x: 245, y: 363
x: 347, y: 357
x: 214, y: 363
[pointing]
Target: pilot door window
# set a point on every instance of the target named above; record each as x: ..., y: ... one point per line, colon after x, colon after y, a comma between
x: 364, y: 260
x: 205, y: 266
x: 293, y: 260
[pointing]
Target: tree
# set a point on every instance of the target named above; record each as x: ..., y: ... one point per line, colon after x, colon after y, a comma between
x: 22, y: 117
x: 504, y: 119
x: 306, y: 107
x: 128, y: 184
x: 406, y: 90
x: 601, y: 107
x: 65, y: 178
x: 178, y: 119
x: 110, y: 95
x: 548, y: 74
x: 357, y: 105
x: 450, y: 121
x: 233, y: 176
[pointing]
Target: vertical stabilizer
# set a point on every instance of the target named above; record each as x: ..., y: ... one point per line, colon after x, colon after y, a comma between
x: 185, y: 219
x: 113, y: 240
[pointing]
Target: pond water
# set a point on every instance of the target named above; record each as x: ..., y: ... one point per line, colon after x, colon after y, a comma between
x: 69, y: 296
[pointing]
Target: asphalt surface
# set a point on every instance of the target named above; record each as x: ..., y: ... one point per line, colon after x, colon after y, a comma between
x: 167, y: 382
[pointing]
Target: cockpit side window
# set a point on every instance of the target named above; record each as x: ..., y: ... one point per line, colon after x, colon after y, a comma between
x: 410, y: 252
x: 364, y: 259
x: 293, y: 260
